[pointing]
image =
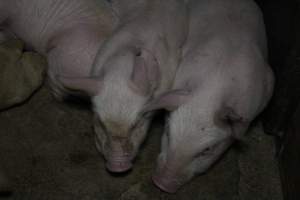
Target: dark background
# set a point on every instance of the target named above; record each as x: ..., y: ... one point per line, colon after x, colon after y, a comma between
x: 282, y: 117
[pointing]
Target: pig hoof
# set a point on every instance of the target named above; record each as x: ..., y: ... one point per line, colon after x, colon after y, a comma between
x: 118, y: 167
x: 165, y: 185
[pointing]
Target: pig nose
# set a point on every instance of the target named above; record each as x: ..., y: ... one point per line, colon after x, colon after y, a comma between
x: 118, y: 161
x: 119, y: 156
x: 119, y: 165
x: 166, y: 183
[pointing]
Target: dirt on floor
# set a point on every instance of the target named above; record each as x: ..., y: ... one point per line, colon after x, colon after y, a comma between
x: 47, y: 149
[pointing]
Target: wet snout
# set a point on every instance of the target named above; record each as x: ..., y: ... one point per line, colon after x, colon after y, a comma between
x: 119, y: 157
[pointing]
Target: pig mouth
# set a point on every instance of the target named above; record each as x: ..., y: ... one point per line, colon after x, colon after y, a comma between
x: 166, y: 184
x: 119, y: 165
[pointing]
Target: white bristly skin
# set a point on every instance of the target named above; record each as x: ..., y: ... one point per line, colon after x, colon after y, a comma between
x: 222, y: 84
x: 137, y: 63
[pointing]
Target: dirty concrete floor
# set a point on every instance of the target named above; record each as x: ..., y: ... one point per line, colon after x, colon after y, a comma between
x: 48, y: 150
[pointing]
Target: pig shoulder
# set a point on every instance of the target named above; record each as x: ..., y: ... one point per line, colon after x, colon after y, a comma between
x: 250, y: 86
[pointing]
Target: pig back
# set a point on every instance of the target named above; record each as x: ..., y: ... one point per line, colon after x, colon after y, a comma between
x: 226, y: 52
x: 238, y: 20
x: 219, y: 30
x: 37, y: 21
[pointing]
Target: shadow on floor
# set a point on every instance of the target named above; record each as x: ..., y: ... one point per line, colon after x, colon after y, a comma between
x: 47, y: 149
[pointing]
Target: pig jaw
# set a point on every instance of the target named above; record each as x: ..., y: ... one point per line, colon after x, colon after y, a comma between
x: 169, y: 177
x: 174, y: 171
x: 166, y: 180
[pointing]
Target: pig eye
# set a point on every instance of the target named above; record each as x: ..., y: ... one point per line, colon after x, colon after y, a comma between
x: 139, y: 53
x: 205, y: 152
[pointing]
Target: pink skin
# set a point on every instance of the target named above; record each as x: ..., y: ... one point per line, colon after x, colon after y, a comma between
x: 176, y: 168
x: 137, y: 61
x: 222, y: 84
x: 69, y: 33
x: 119, y: 166
x: 116, y: 160
x: 166, y: 180
x: 119, y: 152
x: 135, y: 64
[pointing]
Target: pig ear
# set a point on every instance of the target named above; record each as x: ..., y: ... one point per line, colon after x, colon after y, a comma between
x: 89, y: 85
x: 145, y: 75
x: 169, y: 101
x: 237, y: 123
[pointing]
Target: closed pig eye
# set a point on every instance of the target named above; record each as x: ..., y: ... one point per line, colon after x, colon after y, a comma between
x: 206, y: 151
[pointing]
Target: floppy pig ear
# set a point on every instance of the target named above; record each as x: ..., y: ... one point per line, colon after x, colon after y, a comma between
x: 89, y: 85
x: 169, y: 101
x: 145, y: 75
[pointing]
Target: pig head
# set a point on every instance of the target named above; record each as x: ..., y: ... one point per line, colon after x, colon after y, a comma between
x: 222, y: 84
x: 132, y: 66
x: 120, y: 122
x: 198, y: 131
x: 119, y: 93
x: 202, y: 125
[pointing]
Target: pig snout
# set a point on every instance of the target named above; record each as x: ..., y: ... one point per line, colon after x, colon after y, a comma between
x: 118, y: 165
x: 117, y: 151
x: 118, y: 157
x: 166, y: 180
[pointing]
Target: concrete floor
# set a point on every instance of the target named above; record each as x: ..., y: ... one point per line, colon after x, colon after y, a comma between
x: 47, y: 149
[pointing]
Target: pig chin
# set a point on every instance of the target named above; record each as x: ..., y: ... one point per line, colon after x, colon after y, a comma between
x: 166, y: 177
